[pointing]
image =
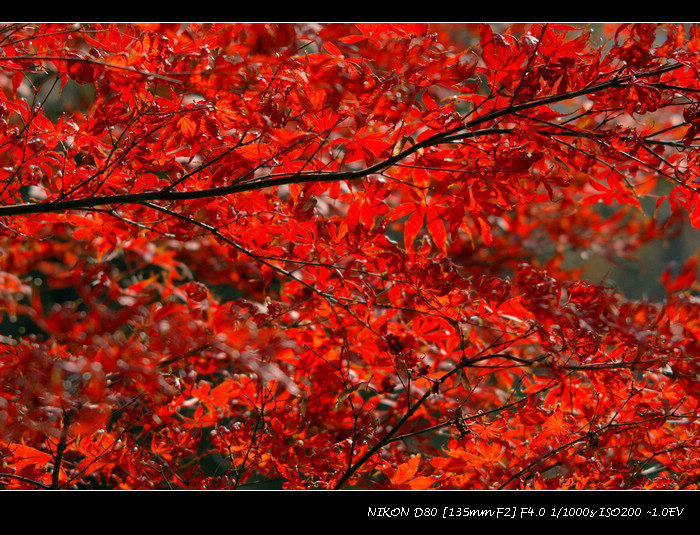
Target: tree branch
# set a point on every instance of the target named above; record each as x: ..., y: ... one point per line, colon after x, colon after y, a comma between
x: 60, y: 449
x: 298, y: 178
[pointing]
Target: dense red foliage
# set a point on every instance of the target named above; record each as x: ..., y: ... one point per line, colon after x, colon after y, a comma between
x: 335, y: 256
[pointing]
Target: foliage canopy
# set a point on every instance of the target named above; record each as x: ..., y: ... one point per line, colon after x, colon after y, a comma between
x: 340, y: 255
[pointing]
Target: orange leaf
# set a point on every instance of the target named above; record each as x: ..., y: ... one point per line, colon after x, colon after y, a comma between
x: 27, y: 456
x: 406, y: 471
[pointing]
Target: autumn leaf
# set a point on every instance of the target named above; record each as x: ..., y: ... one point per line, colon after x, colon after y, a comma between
x: 405, y: 476
x: 27, y: 456
x: 413, y: 225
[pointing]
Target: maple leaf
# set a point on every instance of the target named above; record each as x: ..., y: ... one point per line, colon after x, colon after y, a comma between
x: 27, y: 456
x: 405, y: 475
